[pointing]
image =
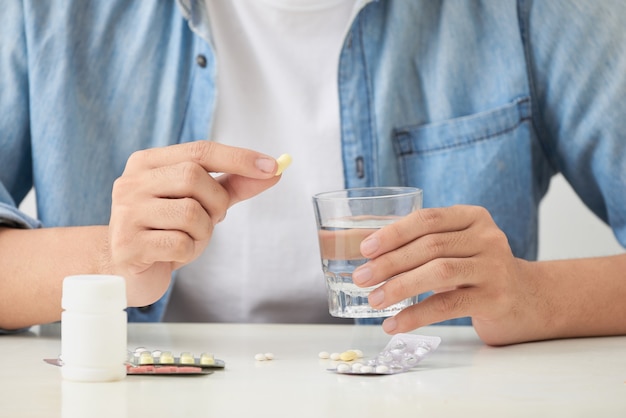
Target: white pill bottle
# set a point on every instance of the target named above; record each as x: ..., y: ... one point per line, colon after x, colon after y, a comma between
x: 93, y: 328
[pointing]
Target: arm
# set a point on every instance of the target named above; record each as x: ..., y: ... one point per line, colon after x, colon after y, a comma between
x: 461, y: 255
x: 165, y: 206
x: 34, y: 263
x: 576, y: 58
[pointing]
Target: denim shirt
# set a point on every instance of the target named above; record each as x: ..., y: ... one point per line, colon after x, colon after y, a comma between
x: 476, y: 102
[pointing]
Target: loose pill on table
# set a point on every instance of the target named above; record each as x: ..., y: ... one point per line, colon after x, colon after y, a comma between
x: 283, y: 162
x: 324, y: 355
x: 348, y: 355
x: 264, y: 356
x: 334, y: 356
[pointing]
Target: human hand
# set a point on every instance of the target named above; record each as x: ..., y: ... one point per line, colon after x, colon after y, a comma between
x: 166, y: 204
x: 461, y: 255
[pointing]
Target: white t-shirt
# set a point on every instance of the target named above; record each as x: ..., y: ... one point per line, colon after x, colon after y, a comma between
x: 277, y: 93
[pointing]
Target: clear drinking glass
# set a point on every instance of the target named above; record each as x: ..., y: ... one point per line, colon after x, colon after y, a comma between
x: 344, y: 219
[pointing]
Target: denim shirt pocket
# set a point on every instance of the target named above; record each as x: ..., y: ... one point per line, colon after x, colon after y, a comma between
x: 483, y: 159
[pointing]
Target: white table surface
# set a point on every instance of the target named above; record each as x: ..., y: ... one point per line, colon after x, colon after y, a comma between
x: 463, y: 377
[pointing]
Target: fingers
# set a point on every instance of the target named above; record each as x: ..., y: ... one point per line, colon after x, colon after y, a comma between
x: 436, y: 308
x: 181, y: 170
x: 153, y: 229
x: 239, y: 188
x: 176, y: 185
x: 212, y: 156
x: 420, y: 223
x: 166, y: 203
x: 441, y: 275
x: 458, y: 232
x: 458, y: 253
x: 417, y: 253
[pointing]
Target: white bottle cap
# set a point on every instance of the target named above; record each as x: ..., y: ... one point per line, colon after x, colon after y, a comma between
x: 92, y: 293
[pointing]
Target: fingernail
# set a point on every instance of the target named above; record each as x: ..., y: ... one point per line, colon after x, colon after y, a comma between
x: 362, y: 275
x: 266, y: 165
x: 369, y: 245
x: 376, y: 297
x: 389, y: 325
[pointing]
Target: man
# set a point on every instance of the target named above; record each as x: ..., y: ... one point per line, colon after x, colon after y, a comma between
x: 478, y: 103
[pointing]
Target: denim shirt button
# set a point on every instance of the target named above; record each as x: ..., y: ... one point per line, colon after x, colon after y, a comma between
x: 201, y: 60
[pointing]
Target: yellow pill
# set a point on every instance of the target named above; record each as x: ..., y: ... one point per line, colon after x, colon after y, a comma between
x: 146, y: 358
x: 166, y: 358
x: 187, y: 358
x: 207, y: 359
x: 283, y: 162
x: 348, y: 355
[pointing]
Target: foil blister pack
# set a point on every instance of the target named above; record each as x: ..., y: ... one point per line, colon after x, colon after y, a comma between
x: 401, y: 354
x: 142, y: 361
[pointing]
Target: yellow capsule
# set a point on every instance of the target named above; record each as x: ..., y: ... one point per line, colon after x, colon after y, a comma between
x: 283, y: 162
x: 348, y: 355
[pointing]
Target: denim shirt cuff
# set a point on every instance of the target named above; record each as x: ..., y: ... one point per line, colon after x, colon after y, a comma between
x: 11, y: 216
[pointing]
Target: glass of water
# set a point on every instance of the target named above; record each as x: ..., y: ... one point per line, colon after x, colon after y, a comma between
x: 344, y: 219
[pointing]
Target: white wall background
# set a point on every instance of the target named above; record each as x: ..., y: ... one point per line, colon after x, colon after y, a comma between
x: 567, y: 228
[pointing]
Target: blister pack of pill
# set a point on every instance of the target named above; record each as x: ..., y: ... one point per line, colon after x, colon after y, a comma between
x: 144, y: 361
x: 401, y: 354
